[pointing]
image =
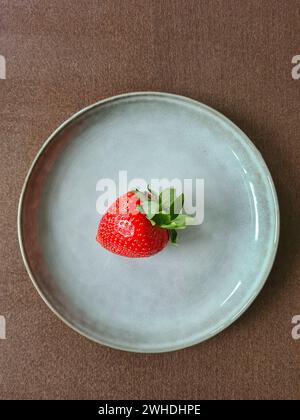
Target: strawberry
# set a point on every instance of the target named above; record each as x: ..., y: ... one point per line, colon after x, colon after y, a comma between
x: 140, y: 224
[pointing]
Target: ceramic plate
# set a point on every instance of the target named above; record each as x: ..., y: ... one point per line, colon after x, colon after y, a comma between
x: 184, y: 294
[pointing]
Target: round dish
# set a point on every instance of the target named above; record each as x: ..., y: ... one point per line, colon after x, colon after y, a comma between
x: 185, y: 294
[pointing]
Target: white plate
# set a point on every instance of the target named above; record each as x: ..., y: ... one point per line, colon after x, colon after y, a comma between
x: 184, y: 294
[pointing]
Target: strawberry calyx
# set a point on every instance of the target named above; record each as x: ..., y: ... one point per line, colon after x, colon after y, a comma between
x: 164, y: 210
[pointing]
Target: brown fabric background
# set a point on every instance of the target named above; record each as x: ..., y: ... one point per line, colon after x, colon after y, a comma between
x: 233, y: 55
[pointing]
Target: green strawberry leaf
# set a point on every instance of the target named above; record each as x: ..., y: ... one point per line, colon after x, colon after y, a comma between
x: 150, y: 208
x: 180, y: 221
x: 177, y: 206
x: 162, y: 219
x: 173, y: 237
x: 164, y: 210
x: 166, y: 198
x: 148, y: 205
x: 170, y: 203
x: 169, y: 226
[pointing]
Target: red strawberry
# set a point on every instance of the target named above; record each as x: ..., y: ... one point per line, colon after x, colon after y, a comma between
x: 125, y: 231
x: 130, y: 229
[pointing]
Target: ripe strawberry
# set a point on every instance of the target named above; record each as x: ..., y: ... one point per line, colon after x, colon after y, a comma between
x: 137, y: 225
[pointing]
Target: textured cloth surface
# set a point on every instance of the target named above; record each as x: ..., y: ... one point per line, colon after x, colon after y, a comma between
x: 232, y: 55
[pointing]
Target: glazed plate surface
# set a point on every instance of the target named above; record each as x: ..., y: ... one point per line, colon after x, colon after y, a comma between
x: 184, y: 294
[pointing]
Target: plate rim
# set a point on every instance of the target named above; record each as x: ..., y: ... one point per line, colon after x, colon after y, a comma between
x: 249, y: 143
